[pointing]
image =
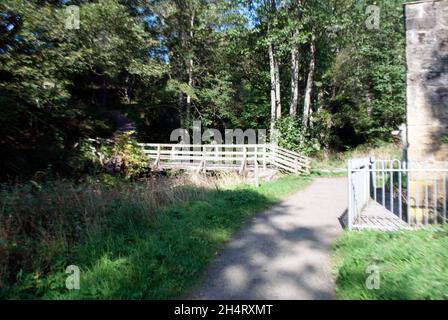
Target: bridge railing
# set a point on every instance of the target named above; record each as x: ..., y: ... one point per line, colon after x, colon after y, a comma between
x: 415, y: 192
x: 358, y: 175
x: 241, y: 157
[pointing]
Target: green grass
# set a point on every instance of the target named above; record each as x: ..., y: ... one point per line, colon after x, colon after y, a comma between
x: 133, y: 257
x: 412, y: 264
x: 331, y: 163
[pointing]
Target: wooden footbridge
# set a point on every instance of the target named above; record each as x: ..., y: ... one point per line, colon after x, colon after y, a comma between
x: 225, y: 157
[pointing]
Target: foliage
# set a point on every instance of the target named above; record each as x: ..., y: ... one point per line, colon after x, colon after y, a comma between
x: 86, y: 158
x: 294, y: 137
x: 128, y: 155
x: 444, y: 139
x: 402, y: 257
x: 367, y: 78
x: 167, y: 63
x: 55, y: 82
x: 148, y: 239
x: 118, y: 156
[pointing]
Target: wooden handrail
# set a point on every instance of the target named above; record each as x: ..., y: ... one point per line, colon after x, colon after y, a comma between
x: 209, y: 156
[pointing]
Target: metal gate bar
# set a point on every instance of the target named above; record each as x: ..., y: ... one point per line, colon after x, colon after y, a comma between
x: 414, y: 193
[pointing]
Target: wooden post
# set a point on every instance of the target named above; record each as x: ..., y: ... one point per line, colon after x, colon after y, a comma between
x: 296, y: 165
x: 256, y: 154
x: 156, y: 163
x: 216, y: 155
x: 257, y: 181
x: 274, y: 151
x: 264, y: 157
x: 204, y: 158
x: 243, y: 163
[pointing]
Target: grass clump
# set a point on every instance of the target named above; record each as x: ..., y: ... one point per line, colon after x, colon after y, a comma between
x: 141, y: 240
x: 412, y: 264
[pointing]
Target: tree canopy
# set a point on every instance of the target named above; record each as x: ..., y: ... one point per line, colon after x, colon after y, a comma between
x: 313, y: 69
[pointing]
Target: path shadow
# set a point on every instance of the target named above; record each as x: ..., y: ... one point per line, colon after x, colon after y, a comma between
x: 260, y: 262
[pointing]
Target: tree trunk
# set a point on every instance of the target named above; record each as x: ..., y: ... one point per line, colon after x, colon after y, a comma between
x: 309, y: 84
x: 190, y: 70
x: 294, y: 81
x: 276, y: 108
x: 293, y: 106
x: 278, y: 105
x: 190, y: 85
x: 273, y: 86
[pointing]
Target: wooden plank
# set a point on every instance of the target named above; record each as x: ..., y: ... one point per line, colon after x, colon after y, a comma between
x: 188, y: 155
x: 180, y: 145
x: 375, y: 216
x: 286, y: 165
x: 290, y: 152
x: 187, y: 152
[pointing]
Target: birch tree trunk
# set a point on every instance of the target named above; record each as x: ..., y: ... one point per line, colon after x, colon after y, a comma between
x: 294, y: 82
x: 278, y: 104
x: 276, y: 108
x: 190, y: 70
x: 293, y: 106
x: 309, y: 84
x: 273, y: 91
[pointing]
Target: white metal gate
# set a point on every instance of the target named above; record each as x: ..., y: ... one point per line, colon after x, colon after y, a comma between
x: 395, y: 193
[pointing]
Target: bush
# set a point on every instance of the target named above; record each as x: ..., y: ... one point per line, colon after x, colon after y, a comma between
x: 88, y: 157
x: 294, y: 137
x: 121, y: 156
x: 127, y: 156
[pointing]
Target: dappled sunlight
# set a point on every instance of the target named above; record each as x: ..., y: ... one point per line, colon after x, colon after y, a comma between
x: 282, y: 253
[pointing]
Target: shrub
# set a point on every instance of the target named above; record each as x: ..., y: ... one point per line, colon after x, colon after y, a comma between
x: 127, y: 157
x: 121, y: 156
x: 293, y: 136
x: 89, y: 157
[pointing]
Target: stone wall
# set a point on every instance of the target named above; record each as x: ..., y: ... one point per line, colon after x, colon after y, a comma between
x: 427, y: 80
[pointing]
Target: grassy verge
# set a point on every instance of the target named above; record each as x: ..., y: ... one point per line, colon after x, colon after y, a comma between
x: 411, y: 264
x: 127, y: 242
x: 335, y: 163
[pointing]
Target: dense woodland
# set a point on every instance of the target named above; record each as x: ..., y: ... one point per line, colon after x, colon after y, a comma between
x: 313, y: 69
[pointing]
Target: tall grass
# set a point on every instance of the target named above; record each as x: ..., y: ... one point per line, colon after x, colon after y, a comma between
x: 38, y: 222
x: 147, y: 239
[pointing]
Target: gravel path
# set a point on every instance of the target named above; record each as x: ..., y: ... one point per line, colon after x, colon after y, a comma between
x: 284, y: 253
